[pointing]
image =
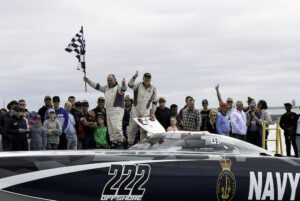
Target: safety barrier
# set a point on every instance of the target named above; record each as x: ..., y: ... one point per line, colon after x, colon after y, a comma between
x: 277, y: 140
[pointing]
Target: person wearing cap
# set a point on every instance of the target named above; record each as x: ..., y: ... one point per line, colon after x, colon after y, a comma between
x: 162, y: 113
x: 4, y: 123
x: 37, y: 135
x: 62, y: 116
x: 100, y: 109
x: 87, y: 126
x: 47, y: 104
x: 254, y: 125
x: 114, y: 104
x: 204, y: 115
x: 53, y: 130
x: 222, y: 123
x: 144, y: 94
x: 238, y: 120
x: 288, y: 122
x: 28, y: 115
x: 126, y: 118
x: 18, y: 129
x: 191, y: 117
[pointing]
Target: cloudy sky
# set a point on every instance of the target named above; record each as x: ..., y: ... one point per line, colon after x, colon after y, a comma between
x: 252, y: 48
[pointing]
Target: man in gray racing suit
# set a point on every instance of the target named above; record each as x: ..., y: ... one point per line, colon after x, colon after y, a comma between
x: 114, y: 104
x: 143, y: 95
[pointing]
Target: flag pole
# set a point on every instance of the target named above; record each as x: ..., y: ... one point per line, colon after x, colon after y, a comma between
x: 85, y: 81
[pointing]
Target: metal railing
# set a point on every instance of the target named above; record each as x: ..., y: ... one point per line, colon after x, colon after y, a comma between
x: 277, y: 139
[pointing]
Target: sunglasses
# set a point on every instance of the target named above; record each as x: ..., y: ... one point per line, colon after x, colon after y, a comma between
x: 22, y: 104
x: 229, y: 101
x: 213, y: 115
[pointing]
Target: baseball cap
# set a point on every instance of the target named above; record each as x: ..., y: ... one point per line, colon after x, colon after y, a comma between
x: 148, y: 75
x: 36, y: 116
x: 127, y: 97
x: 252, y: 105
x: 85, y: 103
x: 56, y: 99
x: 51, y: 110
x: 204, y: 101
x: 47, y: 97
x: 101, y: 99
x: 224, y: 105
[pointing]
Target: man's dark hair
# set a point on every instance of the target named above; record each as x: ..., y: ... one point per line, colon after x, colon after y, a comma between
x: 71, y: 97
x: 9, y: 105
x: 188, y: 97
x: 78, y: 104
x: 263, y: 103
x: 173, y: 106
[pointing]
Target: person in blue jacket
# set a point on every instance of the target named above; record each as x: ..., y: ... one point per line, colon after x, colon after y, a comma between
x: 222, y: 122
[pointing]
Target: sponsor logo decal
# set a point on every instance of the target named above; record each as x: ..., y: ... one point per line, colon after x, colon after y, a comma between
x: 265, y: 189
x: 127, y: 182
x: 226, y: 183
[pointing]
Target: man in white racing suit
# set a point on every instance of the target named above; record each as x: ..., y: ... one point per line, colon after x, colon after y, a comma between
x: 143, y: 95
x: 114, y: 104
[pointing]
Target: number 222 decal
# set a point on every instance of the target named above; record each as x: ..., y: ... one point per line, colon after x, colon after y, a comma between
x: 126, y: 176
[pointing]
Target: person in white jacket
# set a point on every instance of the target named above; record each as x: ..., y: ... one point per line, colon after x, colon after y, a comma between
x: 143, y: 95
x: 114, y: 104
x: 238, y: 120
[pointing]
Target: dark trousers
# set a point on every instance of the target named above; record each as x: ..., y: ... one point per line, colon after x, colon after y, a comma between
x: 19, y: 145
x: 62, y: 142
x: 238, y: 136
x: 6, y: 143
x: 88, y: 142
x: 253, y: 137
x: 288, y: 138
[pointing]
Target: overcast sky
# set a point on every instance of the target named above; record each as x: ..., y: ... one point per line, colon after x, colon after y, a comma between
x: 252, y: 48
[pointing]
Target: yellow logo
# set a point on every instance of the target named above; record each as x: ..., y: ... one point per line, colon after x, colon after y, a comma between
x: 226, y: 184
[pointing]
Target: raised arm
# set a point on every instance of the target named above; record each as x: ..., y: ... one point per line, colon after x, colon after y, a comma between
x: 219, y: 94
x: 154, y: 103
x: 131, y: 83
x: 96, y: 86
x: 123, y: 87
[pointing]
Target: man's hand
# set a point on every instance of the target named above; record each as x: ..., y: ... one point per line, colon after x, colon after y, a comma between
x: 217, y: 87
x: 21, y: 130
x: 85, y: 79
x: 253, y: 114
x: 123, y: 82
x: 136, y: 75
x: 152, y: 117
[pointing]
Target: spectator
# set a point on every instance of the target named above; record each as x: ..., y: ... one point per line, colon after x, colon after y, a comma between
x: 172, y: 127
x: 76, y: 112
x: 191, y: 117
x: 254, y: 125
x: 100, y: 109
x: 238, y: 122
x: 126, y: 118
x: 28, y: 115
x: 222, y: 123
x: 18, y: 129
x: 42, y: 111
x: 174, y: 113
x: 87, y: 127
x: 249, y: 101
x: 4, y: 122
x: 204, y: 115
x: 229, y: 102
x: 71, y: 131
x: 53, y: 130
x: 71, y: 99
x: 100, y: 134
x: 144, y: 93
x: 62, y: 116
x: 298, y: 133
x: 186, y: 103
x: 38, y: 135
x: 3, y: 111
x: 114, y: 104
x: 162, y: 113
x: 262, y: 108
x: 288, y: 122
x: 211, y: 123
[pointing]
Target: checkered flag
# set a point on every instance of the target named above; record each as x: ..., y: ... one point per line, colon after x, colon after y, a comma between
x: 77, y: 46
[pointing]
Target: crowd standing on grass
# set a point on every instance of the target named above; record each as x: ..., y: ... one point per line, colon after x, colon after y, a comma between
x: 111, y: 124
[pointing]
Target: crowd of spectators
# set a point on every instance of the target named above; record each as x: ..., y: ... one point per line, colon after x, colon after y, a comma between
x: 111, y: 124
